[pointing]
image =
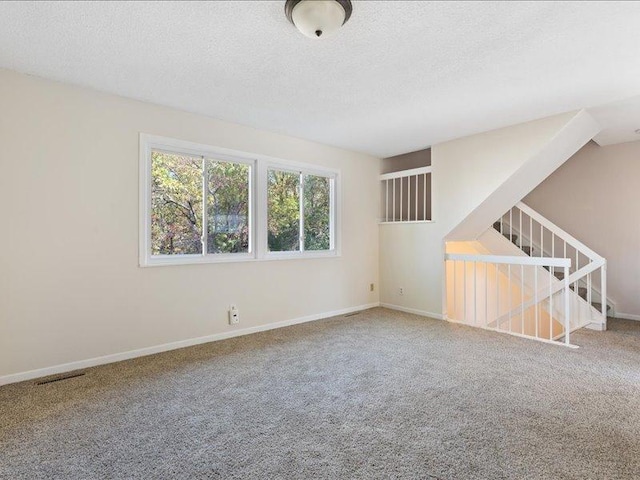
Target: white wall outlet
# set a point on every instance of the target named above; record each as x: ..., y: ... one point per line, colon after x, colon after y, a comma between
x: 400, y: 290
x: 234, y: 315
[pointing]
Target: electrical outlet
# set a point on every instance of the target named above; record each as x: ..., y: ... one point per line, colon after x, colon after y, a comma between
x: 234, y: 315
x: 372, y: 287
x: 400, y: 290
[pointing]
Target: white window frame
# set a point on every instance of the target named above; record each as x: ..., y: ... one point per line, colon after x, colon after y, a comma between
x: 258, y: 203
x: 302, y: 171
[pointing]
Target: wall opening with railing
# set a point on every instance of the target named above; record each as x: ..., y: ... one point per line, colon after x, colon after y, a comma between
x: 406, y: 196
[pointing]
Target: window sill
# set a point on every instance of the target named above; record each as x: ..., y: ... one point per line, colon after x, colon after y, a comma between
x: 163, y: 261
x: 300, y: 255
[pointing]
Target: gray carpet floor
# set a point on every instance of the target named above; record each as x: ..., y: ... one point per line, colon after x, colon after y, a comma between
x: 381, y: 394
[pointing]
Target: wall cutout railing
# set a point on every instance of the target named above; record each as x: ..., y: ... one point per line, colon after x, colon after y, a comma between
x: 406, y: 196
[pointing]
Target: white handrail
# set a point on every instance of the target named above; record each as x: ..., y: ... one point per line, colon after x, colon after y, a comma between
x: 406, y: 173
x: 584, y: 271
x: 544, y: 292
x: 558, y: 231
x: 509, y: 260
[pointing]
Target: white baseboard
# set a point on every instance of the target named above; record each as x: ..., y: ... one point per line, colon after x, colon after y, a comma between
x: 626, y: 316
x: 117, y: 357
x: 598, y: 327
x: 423, y: 313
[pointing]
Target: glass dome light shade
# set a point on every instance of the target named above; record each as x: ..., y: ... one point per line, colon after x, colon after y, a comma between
x: 318, y: 18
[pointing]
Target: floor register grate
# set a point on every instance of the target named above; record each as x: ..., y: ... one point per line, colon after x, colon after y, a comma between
x: 60, y: 378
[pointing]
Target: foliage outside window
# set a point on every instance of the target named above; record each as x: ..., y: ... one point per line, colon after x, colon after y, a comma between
x: 180, y: 185
x: 201, y: 204
x: 295, y: 224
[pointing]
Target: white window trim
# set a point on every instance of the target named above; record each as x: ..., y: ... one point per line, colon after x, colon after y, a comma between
x: 258, y: 247
x: 302, y: 253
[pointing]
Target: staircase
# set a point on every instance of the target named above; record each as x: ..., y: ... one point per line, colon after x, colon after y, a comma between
x: 528, y: 250
x: 527, y: 277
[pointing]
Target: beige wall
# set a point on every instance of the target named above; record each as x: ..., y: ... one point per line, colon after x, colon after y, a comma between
x: 70, y: 285
x: 406, y: 161
x: 594, y: 197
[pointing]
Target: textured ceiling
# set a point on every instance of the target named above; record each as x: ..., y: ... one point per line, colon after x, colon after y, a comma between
x: 398, y: 77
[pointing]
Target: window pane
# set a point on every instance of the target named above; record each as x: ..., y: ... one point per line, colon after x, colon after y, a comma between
x: 283, y: 211
x: 317, y: 213
x: 228, y: 207
x: 176, y: 204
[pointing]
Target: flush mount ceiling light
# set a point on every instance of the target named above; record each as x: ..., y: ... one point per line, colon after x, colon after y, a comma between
x: 318, y: 18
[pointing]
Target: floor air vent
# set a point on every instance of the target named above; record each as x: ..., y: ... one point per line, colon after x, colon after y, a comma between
x: 352, y: 314
x: 60, y: 378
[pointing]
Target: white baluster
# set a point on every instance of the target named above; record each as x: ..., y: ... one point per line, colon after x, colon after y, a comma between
x: 497, y: 295
x: 416, y: 216
x: 603, y: 289
x: 522, y: 298
x: 455, y: 290
x: 510, y: 294
x: 520, y: 226
x: 535, y: 297
x: 401, y: 197
x: 464, y: 291
x: 486, y: 293
x: 475, y: 298
x: 424, y: 213
x: 386, y: 202
x: 566, y: 306
x: 551, y: 277
x: 394, y: 199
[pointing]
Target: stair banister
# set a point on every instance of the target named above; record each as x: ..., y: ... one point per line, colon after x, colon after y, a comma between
x: 515, y: 315
x: 577, y: 244
x: 510, y: 260
x: 580, y: 276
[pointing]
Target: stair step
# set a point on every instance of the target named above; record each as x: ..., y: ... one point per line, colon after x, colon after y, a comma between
x: 527, y: 250
x: 512, y: 237
x: 598, y: 306
x: 582, y: 291
x: 496, y: 225
x: 559, y: 275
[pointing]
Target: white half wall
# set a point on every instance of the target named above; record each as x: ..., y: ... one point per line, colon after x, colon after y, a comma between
x: 475, y: 179
x: 70, y: 285
x: 594, y: 197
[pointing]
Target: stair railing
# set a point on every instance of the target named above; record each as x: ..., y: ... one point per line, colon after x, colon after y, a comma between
x: 509, y: 294
x: 539, y: 237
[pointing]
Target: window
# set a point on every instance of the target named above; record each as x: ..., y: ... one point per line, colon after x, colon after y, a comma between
x: 192, y: 195
x: 227, y: 194
x: 299, y: 211
x: 176, y: 204
x: 199, y: 204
